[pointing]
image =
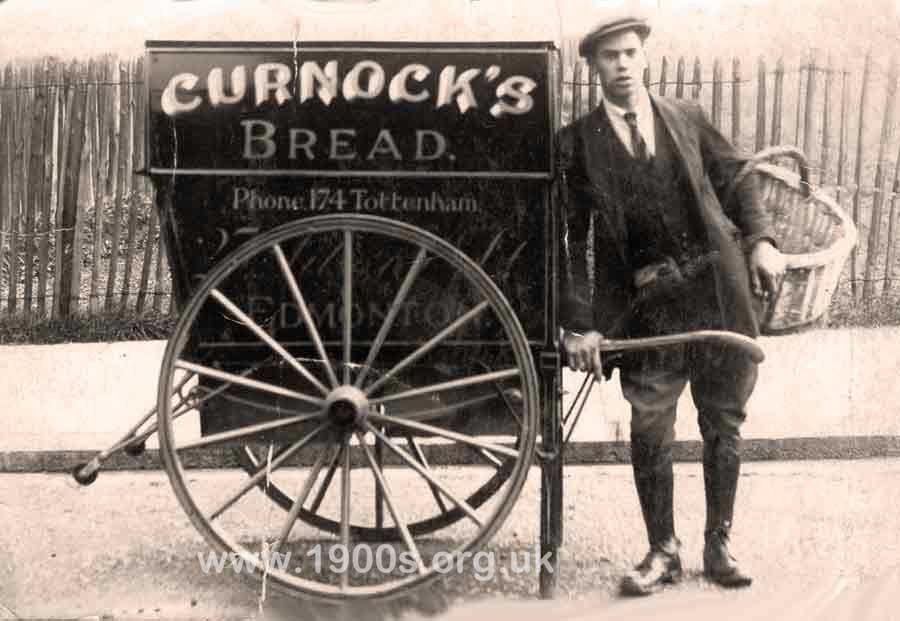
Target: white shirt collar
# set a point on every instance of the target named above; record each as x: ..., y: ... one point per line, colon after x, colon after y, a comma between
x: 644, y: 111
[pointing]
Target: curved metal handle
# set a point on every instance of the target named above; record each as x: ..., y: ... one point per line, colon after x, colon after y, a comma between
x: 750, y: 346
x: 769, y: 154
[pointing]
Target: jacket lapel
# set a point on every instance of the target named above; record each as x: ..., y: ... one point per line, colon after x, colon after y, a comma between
x: 687, y: 149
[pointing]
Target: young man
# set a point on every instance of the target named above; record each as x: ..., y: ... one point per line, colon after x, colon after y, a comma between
x: 674, y: 249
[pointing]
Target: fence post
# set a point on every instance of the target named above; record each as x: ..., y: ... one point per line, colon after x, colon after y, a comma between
x: 760, y: 105
x: 887, y: 132
x: 778, y: 102
x: 697, y: 80
x: 809, y: 118
x: 119, y: 112
x: 99, y: 178
x: 799, y: 116
x: 842, y: 138
x: 863, y: 100
x: 46, y: 198
x: 679, y: 78
x: 35, y: 181
x: 71, y: 253
x: 663, y: 76
x: 131, y: 199
x: 736, y: 102
x: 66, y: 94
x: 18, y: 185
x: 826, y: 123
x: 717, y: 94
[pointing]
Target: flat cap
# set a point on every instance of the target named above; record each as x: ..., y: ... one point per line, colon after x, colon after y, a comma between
x: 611, y: 24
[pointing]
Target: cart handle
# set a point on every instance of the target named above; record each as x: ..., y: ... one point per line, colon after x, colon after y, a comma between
x: 750, y: 346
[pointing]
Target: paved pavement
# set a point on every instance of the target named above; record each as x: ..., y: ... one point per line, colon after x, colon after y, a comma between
x: 820, y: 537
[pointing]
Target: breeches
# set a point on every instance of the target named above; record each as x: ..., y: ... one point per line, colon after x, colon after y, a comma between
x: 722, y: 380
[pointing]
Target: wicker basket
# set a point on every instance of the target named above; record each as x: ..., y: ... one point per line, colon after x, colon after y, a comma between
x: 812, y: 231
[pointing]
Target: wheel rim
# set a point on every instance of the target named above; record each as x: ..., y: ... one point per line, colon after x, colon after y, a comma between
x: 341, y: 412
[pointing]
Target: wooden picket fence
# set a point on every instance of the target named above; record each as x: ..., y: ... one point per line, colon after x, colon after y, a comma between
x: 79, y: 235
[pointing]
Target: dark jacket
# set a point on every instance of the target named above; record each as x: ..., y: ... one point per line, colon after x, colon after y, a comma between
x: 587, y: 190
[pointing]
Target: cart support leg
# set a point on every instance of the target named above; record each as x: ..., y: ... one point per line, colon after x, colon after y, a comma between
x: 551, y: 476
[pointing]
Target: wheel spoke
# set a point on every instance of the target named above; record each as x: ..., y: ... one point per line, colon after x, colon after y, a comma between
x: 425, y: 348
x: 448, y: 409
x: 379, y: 496
x: 250, y: 430
x: 345, y: 507
x: 304, y: 312
x: 444, y: 433
x: 267, y: 339
x: 301, y: 498
x: 388, y: 322
x: 425, y: 474
x: 488, y: 457
x: 212, y: 392
x: 389, y: 500
x: 451, y: 385
x: 419, y: 455
x: 249, y: 383
x: 348, y: 301
x: 274, y: 409
x: 261, y: 471
x: 326, y: 482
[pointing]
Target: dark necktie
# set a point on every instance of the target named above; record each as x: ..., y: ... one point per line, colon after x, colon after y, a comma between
x: 638, y: 146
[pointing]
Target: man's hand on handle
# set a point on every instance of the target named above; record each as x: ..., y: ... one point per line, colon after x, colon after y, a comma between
x: 583, y: 352
x: 767, y: 266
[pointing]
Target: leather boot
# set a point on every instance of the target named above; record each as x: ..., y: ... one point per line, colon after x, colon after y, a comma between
x: 654, y: 480
x: 721, y: 471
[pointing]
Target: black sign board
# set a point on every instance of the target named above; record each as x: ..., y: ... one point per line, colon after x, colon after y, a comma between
x: 321, y: 110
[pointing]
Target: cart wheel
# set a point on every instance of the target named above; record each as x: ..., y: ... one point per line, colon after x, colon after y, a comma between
x: 367, y: 413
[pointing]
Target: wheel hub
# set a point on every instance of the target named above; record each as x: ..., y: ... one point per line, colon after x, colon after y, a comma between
x: 347, y: 406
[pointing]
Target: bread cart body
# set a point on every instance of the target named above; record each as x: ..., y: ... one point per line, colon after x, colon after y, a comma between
x: 322, y: 202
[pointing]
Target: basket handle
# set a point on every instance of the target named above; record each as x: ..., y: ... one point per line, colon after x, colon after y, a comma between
x: 769, y: 154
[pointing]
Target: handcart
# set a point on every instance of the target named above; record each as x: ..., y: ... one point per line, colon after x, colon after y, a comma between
x: 363, y: 246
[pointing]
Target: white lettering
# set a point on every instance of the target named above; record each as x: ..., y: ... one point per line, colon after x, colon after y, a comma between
x: 251, y: 138
x: 306, y: 146
x: 384, y: 145
x: 169, y: 101
x: 518, y: 87
x: 338, y: 143
x: 450, y: 86
x: 311, y: 74
x: 353, y: 88
x: 398, y: 91
x: 240, y: 195
x: 440, y: 144
x: 265, y: 83
x: 216, y: 86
